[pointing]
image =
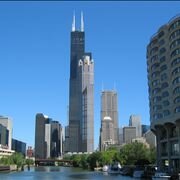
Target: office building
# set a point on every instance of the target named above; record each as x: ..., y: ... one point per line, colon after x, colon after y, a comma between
x: 150, y: 138
x: 48, y: 137
x: 135, y: 121
x: 121, y: 136
x: 4, y: 135
x: 109, y: 117
x: 106, y: 133
x: 81, y: 95
x: 163, y: 67
x: 145, y: 128
x: 19, y: 146
x: 7, y: 122
x: 129, y: 133
x: 30, y: 152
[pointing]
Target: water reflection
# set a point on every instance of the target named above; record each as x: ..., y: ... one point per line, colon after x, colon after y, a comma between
x: 62, y: 173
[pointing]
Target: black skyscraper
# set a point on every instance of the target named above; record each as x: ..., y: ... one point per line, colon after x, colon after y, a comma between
x: 75, y: 91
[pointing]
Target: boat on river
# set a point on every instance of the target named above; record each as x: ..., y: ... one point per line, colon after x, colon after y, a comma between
x: 105, y: 168
x: 161, y: 176
x: 114, y: 168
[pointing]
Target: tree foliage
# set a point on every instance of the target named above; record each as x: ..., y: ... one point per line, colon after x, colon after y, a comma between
x: 129, y: 154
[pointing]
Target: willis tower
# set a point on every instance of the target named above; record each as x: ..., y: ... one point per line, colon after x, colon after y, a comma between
x: 81, y: 93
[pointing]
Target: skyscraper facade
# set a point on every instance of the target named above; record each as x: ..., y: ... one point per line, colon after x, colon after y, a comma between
x: 163, y: 66
x: 81, y: 95
x: 109, y: 131
x: 135, y: 121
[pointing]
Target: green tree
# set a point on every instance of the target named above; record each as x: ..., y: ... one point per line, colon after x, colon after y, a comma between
x: 152, y: 155
x: 76, y: 160
x: 29, y: 162
x: 131, y: 153
x: 94, y: 159
x: 83, y: 162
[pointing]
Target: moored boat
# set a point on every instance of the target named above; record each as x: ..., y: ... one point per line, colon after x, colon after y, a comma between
x: 161, y: 176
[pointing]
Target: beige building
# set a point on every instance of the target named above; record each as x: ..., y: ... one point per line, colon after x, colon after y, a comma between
x: 150, y: 138
x: 109, y: 131
x: 163, y: 66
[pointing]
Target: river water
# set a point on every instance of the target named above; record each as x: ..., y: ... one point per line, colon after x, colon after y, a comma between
x: 64, y: 173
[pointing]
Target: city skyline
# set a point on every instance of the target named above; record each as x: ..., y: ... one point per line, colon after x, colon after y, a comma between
x: 35, y: 50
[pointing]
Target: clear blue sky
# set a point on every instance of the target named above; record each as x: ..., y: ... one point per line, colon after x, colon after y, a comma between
x: 35, y: 57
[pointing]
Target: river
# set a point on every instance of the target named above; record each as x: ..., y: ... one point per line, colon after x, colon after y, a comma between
x: 53, y: 173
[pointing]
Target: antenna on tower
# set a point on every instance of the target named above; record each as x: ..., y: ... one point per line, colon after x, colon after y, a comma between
x: 102, y: 87
x: 82, y: 22
x: 74, y: 23
x: 114, y: 86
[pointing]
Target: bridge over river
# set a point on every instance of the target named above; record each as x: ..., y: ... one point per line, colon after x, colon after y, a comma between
x: 52, y: 162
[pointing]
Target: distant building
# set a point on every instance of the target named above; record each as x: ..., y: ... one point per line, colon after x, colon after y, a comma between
x: 66, y: 143
x: 19, y: 146
x: 150, y: 138
x: 145, y: 128
x: 7, y: 122
x: 4, y: 135
x: 4, y: 151
x: 48, y: 138
x: 30, y: 152
x: 120, y: 135
x: 129, y: 133
x: 141, y: 140
x: 135, y: 121
x: 109, y: 131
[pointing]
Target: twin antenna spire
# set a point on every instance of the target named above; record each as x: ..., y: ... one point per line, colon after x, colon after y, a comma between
x: 74, y: 23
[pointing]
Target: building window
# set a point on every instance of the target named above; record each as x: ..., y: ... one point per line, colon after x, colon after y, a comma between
x: 154, y: 50
x: 164, y: 67
x: 154, y: 58
x: 162, y: 59
x: 154, y: 66
x: 162, y: 50
x: 176, y: 90
x: 157, y: 116
x: 174, y: 25
x: 157, y: 99
x: 177, y: 100
x: 166, y: 113
x: 163, y: 77
x: 174, y: 148
x: 161, y: 42
x: 157, y: 107
x: 165, y: 94
x: 161, y: 34
x: 175, y: 61
x: 174, y: 34
x: 166, y: 103
x: 175, y: 43
x: 176, y: 80
x: 156, y: 90
x: 153, y: 42
x: 164, y: 85
x: 176, y: 71
x: 177, y: 109
x: 155, y: 74
x: 175, y: 52
x: 155, y: 82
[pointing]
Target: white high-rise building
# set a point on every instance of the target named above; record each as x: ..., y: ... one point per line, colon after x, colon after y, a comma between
x: 7, y: 122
